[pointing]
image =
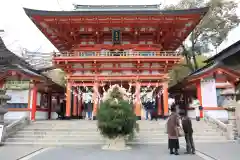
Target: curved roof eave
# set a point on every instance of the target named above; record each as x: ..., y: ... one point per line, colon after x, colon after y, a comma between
x: 31, y: 12
x: 225, y: 52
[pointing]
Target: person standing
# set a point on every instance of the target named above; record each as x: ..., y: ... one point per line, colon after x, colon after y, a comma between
x: 172, y: 131
x: 196, y: 105
x: 188, y: 131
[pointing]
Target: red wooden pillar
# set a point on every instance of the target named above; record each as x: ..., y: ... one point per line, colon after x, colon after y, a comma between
x: 159, y: 99
x: 1, y: 83
x: 138, y: 105
x: 199, y: 95
x: 49, y: 105
x: 95, y: 98
x: 165, y: 99
x: 75, y: 101
x: 34, y: 102
x: 80, y: 105
x: 68, y: 99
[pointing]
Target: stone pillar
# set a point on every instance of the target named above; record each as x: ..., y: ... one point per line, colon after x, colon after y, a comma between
x: 68, y: 100
x: 231, y: 108
x: 138, y: 101
x: 34, y: 102
x: 165, y: 99
x: 237, y: 114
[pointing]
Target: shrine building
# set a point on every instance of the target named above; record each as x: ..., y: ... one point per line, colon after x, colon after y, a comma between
x: 133, y: 46
x: 33, y: 95
x: 212, y: 83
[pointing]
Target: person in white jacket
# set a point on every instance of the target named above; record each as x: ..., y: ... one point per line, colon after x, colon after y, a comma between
x: 196, y: 104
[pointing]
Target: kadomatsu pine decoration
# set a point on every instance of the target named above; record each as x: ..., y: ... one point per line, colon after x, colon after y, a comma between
x: 116, y: 118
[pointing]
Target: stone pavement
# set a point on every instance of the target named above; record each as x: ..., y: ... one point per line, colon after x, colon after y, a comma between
x: 16, y: 152
x: 141, y: 152
x: 218, y: 151
x: 221, y: 151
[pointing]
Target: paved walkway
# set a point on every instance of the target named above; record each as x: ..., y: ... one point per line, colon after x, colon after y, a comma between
x: 143, y: 152
x: 219, y: 151
x: 16, y: 152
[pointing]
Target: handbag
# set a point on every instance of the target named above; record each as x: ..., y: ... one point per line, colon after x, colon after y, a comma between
x: 180, y: 129
x: 166, y: 128
x: 180, y: 132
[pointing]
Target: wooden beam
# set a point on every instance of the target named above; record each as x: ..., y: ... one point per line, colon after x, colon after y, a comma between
x: 117, y: 77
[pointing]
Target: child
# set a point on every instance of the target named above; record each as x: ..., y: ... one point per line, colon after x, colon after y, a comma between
x: 187, y: 128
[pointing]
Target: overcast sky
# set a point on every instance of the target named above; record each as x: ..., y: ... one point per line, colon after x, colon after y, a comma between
x: 20, y: 32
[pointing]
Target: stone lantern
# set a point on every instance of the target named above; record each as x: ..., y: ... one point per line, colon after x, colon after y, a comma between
x: 232, y: 107
x: 3, y: 102
x: 230, y: 104
x: 3, y: 110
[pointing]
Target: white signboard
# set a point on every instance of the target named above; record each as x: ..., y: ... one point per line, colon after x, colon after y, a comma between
x: 18, y: 96
x: 208, y: 92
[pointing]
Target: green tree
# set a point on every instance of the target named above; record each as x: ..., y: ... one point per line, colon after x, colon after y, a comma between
x: 180, y: 71
x: 213, y: 29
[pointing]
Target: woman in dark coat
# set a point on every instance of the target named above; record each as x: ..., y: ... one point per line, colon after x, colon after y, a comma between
x: 172, y: 131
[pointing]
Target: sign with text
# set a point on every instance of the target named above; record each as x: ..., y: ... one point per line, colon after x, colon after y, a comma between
x: 18, y: 96
x: 208, y: 91
x: 116, y: 36
x: 17, y: 85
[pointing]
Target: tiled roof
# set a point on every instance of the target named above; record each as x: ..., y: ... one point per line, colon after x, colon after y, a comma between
x: 234, y: 48
x: 115, y: 7
x: 32, y: 12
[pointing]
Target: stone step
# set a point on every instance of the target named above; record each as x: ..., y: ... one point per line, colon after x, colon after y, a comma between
x: 182, y: 142
x: 91, y: 123
x: 83, y: 132
x: 86, y: 131
x: 97, y: 138
x: 32, y: 126
x: 100, y: 137
x: 141, y: 133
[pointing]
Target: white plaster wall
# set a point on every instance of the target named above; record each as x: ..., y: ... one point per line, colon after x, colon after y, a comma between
x: 106, y: 65
x: 41, y: 115
x: 127, y: 72
x: 54, y: 115
x: 223, y: 84
x: 78, y: 73
x: 155, y: 72
x: 14, y: 115
x: 218, y: 114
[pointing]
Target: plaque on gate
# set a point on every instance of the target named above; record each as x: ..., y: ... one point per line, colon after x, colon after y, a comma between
x: 116, y: 36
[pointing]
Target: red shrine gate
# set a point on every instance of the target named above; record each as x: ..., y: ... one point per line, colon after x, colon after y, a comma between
x: 128, y: 45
